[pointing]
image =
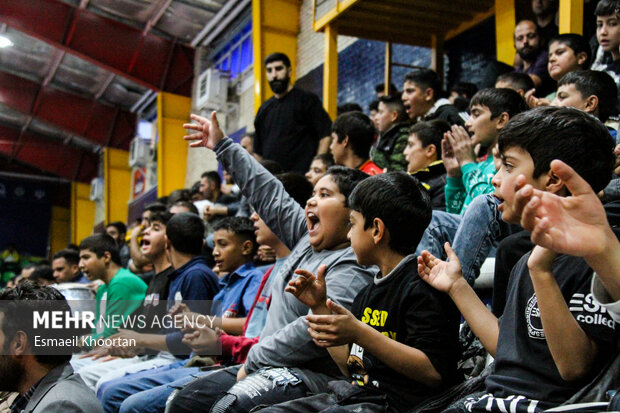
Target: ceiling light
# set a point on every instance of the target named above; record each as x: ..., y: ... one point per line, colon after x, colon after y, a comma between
x: 5, y: 42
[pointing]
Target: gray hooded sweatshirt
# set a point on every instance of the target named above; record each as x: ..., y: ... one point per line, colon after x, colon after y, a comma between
x: 284, y: 341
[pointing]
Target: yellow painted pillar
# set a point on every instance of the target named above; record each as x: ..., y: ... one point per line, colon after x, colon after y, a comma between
x: 571, y: 16
x: 387, y: 77
x: 330, y: 71
x: 116, y: 184
x: 59, y: 229
x: 505, y: 21
x: 275, y: 25
x: 82, y: 212
x: 172, y: 112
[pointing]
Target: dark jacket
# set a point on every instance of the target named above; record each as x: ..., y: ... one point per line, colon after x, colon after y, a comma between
x: 434, y: 179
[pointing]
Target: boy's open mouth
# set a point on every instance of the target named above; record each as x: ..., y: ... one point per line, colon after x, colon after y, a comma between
x: 145, y: 246
x: 313, y: 222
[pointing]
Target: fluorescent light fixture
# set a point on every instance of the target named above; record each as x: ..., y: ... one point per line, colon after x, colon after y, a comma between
x: 5, y: 42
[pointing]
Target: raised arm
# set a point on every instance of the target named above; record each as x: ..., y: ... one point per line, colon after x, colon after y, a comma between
x: 448, y: 278
x: 265, y: 193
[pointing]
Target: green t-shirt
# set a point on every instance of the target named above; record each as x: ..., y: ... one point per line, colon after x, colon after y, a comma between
x: 122, y: 296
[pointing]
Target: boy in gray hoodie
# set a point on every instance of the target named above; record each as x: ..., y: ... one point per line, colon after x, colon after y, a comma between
x: 285, y: 363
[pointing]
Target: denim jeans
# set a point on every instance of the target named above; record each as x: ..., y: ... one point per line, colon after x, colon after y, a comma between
x: 473, y: 236
x: 145, y: 391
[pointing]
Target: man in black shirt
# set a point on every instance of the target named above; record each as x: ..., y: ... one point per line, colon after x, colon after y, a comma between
x: 292, y: 126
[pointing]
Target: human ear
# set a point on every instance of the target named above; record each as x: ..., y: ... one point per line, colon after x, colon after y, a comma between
x: 247, y: 247
x: 431, y: 152
x: 18, y: 343
x: 591, y: 104
x: 581, y: 58
x: 502, y: 120
x: 554, y: 184
x: 345, y: 141
x: 378, y: 230
x: 429, y: 94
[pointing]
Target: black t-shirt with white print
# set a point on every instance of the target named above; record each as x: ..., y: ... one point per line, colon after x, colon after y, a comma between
x: 525, y: 372
x: 403, y: 307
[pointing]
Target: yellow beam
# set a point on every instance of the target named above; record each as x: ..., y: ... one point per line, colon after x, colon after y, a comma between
x: 330, y: 72
x: 82, y: 212
x: 116, y: 185
x: 275, y: 26
x: 172, y: 112
x: 571, y: 16
x: 505, y: 21
x: 59, y: 229
x: 325, y: 20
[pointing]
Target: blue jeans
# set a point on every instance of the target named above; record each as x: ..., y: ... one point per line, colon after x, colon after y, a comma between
x: 474, y: 235
x: 145, y: 391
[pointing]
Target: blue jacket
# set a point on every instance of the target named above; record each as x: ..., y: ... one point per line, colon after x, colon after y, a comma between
x: 238, y: 290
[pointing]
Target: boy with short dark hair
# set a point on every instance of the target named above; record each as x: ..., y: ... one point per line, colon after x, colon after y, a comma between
x: 403, y: 336
x: 122, y: 291
x: 422, y: 97
x: 235, y: 247
x: 391, y: 122
x: 550, y: 341
x: 423, y: 154
x: 352, y: 136
x: 592, y: 91
x: 467, y: 177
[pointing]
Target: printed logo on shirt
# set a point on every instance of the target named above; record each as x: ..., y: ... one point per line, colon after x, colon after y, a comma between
x: 532, y: 318
x: 377, y: 318
x: 510, y: 404
x: 357, y: 368
x: 151, y: 299
x: 589, y: 311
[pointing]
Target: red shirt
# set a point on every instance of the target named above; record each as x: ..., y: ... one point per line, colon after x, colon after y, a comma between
x: 370, y: 168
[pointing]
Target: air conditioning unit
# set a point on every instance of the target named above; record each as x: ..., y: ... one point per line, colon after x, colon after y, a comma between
x: 212, y: 89
x: 139, y: 152
x: 96, y: 189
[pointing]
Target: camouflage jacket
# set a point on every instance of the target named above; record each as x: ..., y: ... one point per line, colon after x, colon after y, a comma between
x: 389, y: 149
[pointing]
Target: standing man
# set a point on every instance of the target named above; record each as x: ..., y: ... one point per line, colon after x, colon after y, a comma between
x: 291, y: 127
x: 534, y: 56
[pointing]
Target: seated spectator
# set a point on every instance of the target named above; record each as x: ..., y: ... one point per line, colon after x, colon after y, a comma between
x: 422, y: 97
x: 517, y: 81
x: 612, y: 190
x: 46, y: 383
x: 409, y: 352
x: 352, y: 135
x: 607, y: 57
x: 117, y: 230
x: 316, y: 237
x: 393, y: 129
x: 319, y: 166
x: 247, y: 142
x: 588, y: 90
x: 423, y: 153
x: 373, y: 108
x: 567, y: 53
x: 121, y: 292
x: 65, y: 264
x: 576, y: 225
x: 534, y: 55
x: 42, y: 275
x: 179, y: 195
x: 153, y: 306
x: 545, y: 349
x: 235, y: 247
x: 490, y: 111
x: 139, y: 263
x: 195, y: 194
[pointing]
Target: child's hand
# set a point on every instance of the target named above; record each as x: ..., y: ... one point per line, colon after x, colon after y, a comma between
x: 461, y: 145
x: 203, y: 340
x: 541, y: 261
x: 574, y: 225
x: 453, y: 169
x: 309, y: 289
x: 439, y: 274
x: 333, y: 330
x: 208, y: 132
x: 533, y: 102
